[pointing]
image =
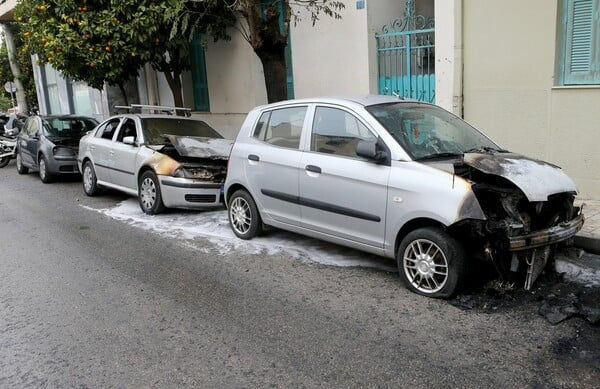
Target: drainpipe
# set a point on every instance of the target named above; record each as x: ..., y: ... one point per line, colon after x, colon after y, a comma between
x: 449, y: 55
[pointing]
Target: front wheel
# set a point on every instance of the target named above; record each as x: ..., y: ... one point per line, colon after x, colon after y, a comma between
x: 45, y: 176
x: 4, y: 161
x: 244, y: 218
x: 431, y: 262
x: 149, y: 194
x: 21, y: 169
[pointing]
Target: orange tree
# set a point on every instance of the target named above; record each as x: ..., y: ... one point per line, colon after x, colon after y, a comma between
x: 104, y: 41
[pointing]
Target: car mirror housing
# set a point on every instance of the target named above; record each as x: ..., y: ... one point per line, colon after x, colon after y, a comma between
x: 368, y: 149
x: 129, y: 140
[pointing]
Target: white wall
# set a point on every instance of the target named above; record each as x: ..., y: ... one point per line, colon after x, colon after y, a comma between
x: 509, y: 92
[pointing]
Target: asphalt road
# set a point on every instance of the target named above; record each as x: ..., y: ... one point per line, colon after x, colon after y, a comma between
x: 89, y: 301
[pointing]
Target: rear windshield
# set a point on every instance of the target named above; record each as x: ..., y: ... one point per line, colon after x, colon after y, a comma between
x: 155, y: 129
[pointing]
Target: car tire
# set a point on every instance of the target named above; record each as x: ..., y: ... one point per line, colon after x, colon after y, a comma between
x: 21, y: 169
x: 431, y: 262
x: 149, y: 195
x: 244, y: 217
x: 90, y: 182
x: 4, y: 161
x: 45, y: 176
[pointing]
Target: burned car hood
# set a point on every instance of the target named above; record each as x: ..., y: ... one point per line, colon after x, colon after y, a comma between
x: 536, y: 179
x: 198, y: 147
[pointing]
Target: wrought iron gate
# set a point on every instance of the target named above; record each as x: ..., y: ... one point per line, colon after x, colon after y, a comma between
x: 405, y: 57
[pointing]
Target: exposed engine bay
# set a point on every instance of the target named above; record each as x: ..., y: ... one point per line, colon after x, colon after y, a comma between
x: 200, y: 158
x: 526, y: 215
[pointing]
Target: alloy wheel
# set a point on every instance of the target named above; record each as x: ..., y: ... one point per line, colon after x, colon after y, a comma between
x: 240, y: 215
x: 148, y: 193
x: 425, y: 266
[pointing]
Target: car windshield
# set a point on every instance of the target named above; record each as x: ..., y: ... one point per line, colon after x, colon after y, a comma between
x: 426, y: 131
x: 68, y: 127
x: 155, y: 129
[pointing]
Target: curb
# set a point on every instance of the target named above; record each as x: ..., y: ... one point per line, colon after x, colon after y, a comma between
x: 587, y: 242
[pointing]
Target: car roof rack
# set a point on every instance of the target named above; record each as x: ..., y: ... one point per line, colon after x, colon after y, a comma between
x: 160, y: 109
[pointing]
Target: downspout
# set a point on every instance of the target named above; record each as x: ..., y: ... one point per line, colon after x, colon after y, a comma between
x: 449, y: 55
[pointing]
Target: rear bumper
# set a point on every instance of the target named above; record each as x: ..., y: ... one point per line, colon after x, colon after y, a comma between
x: 548, y: 236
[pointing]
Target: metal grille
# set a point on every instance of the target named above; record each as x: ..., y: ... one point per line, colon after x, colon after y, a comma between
x: 405, y: 54
x: 198, y: 198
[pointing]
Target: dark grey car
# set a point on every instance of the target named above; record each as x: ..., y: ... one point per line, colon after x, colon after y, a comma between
x: 50, y: 144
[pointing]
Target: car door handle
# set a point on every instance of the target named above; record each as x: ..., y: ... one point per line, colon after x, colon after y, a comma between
x: 313, y: 168
x: 253, y: 157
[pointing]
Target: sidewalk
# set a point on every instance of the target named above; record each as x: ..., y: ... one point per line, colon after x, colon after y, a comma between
x: 583, y: 267
x: 589, y: 236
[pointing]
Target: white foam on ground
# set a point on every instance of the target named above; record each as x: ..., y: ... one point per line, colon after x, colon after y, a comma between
x: 214, y: 226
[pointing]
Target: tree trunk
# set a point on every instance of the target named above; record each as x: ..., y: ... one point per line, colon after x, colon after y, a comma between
x: 14, y: 67
x: 274, y: 69
x: 174, y: 81
x: 123, y: 93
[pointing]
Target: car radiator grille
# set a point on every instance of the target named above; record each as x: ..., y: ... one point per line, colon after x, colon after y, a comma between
x: 196, y: 198
x: 67, y: 168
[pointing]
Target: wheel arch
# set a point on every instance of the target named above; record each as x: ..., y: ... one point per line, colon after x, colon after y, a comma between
x: 143, y: 169
x: 232, y: 189
x: 412, y: 225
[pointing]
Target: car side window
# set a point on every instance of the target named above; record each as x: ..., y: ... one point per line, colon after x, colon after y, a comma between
x: 281, y: 127
x: 107, y: 130
x: 127, y: 129
x: 337, y: 132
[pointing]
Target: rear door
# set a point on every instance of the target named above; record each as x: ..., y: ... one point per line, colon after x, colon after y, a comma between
x: 340, y: 193
x: 123, y: 156
x: 272, y: 158
x: 28, y: 141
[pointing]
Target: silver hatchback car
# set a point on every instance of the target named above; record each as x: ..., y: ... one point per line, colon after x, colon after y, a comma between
x: 401, y: 179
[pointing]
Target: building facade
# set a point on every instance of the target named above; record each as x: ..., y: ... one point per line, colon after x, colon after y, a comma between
x: 524, y: 72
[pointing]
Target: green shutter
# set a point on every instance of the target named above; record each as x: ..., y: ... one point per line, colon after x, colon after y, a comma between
x: 582, y: 62
x: 199, y: 79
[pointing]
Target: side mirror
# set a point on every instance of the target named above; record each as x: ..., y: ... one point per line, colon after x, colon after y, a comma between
x: 129, y: 140
x: 368, y: 149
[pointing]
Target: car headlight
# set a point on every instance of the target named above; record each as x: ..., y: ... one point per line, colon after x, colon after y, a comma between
x: 63, y: 151
x: 179, y: 172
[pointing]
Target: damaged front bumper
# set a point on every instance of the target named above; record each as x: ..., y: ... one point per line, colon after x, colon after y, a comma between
x: 548, y: 236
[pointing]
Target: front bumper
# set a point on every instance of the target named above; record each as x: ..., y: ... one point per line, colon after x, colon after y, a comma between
x: 189, y: 193
x: 548, y: 236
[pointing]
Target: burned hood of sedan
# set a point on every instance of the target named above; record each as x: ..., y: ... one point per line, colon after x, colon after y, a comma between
x: 536, y: 179
x: 198, y: 147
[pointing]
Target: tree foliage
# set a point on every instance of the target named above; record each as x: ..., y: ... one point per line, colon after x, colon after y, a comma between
x: 23, y: 58
x: 266, y: 26
x: 109, y: 41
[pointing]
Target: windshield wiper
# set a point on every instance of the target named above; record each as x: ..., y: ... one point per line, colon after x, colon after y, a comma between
x: 485, y: 149
x: 438, y: 155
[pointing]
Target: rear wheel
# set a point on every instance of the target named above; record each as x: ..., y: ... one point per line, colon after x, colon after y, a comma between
x: 149, y: 194
x: 431, y: 262
x: 244, y: 218
x: 21, y: 169
x: 45, y: 176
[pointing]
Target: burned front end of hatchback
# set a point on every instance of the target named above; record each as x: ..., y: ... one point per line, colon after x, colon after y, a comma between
x: 529, y: 209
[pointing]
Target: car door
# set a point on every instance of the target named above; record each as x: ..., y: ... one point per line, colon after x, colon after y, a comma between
x: 29, y: 140
x: 272, y: 160
x: 100, y: 147
x: 123, y: 156
x: 341, y: 194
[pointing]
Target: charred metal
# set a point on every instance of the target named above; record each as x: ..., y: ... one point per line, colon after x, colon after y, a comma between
x: 518, y: 234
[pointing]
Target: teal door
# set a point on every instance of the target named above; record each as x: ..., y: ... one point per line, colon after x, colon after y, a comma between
x: 199, y: 79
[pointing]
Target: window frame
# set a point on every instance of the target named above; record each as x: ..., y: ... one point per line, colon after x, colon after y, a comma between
x: 565, y: 77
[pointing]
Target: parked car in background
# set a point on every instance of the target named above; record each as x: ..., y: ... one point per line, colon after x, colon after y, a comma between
x: 401, y: 179
x: 164, y: 160
x: 49, y: 144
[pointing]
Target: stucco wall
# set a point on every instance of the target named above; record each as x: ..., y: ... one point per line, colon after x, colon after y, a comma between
x: 509, y: 92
